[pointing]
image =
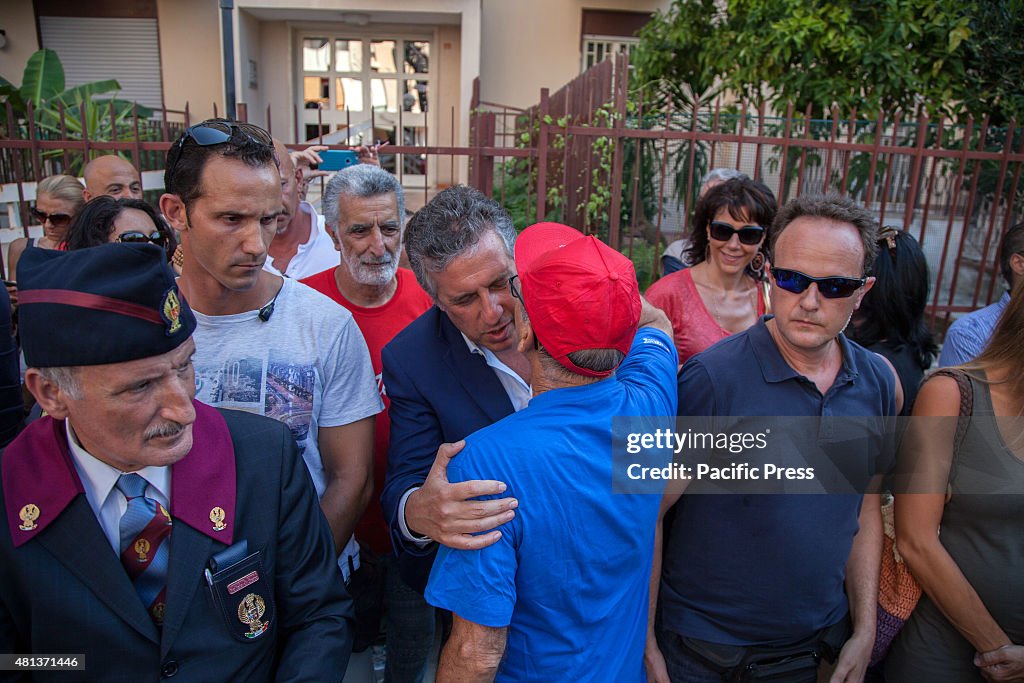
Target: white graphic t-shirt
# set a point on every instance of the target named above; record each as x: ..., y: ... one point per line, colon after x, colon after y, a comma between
x: 306, y: 366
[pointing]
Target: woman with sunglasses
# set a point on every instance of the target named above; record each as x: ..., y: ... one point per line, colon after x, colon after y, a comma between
x: 106, y: 219
x: 960, y: 528
x: 58, y: 200
x: 722, y: 293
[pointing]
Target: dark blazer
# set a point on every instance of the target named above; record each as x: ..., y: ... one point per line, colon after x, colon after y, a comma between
x: 440, y: 393
x: 63, y: 590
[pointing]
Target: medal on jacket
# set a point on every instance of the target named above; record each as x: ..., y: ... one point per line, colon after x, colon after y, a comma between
x: 249, y: 612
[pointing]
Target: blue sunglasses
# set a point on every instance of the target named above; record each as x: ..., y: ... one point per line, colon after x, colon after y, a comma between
x: 829, y: 287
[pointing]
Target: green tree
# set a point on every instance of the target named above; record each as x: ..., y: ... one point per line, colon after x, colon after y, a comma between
x: 950, y: 56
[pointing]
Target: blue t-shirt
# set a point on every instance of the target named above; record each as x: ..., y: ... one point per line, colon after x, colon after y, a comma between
x: 571, y: 573
x: 766, y: 569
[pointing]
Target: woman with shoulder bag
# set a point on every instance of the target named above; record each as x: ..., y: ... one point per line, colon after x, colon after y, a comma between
x: 966, y: 547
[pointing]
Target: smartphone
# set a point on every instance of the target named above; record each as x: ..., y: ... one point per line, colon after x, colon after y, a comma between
x: 337, y: 159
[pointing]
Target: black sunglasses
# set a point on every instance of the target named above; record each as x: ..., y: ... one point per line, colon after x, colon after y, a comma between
x: 135, y: 237
x: 829, y: 287
x: 723, y: 232
x: 215, y: 133
x: 59, y: 220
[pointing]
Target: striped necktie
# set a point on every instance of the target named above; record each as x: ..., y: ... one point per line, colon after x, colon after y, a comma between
x: 145, y: 531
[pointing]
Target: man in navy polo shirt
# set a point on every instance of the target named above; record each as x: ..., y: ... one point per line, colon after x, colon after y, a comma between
x: 772, y: 577
x: 562, y: 595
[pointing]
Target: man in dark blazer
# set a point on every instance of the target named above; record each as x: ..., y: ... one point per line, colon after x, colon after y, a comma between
x: 231, y: 574
x: 452, y: 371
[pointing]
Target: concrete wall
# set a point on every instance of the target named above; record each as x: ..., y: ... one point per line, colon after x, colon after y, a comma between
x: 18, y: 19
x: 277, y: 79
x: 534, y: 44
x: 248, y: 48
x: 448, y: 86
x: 190, y: 56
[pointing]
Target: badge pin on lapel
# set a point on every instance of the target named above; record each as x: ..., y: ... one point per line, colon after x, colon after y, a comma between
x: 29, y: 514
x: 217, y: 517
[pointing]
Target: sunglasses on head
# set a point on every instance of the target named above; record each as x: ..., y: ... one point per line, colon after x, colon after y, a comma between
x: 215, y: 133
x: 135, y: 237
x: 829, y: 287
x: 748, y: 234
x: 59, y: 220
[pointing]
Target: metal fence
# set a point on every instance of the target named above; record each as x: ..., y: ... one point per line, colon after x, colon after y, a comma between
x: 591, y: 156
x: 631, y: 176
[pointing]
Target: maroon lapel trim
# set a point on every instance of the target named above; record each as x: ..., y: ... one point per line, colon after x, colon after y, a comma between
x: 203, y: 482
x: 39, y: 479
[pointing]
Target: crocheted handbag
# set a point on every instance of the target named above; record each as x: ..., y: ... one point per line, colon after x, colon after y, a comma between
x: 898, y: 590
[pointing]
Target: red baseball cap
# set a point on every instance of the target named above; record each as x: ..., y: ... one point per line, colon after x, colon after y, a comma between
x: 580, y: 293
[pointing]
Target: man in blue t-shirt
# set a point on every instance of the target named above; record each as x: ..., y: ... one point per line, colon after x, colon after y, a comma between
x: 770, y: 578
x: 563, y: 594
x: 968, y: 336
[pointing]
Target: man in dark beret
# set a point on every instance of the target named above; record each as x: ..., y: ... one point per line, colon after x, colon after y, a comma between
x: 146, y: 534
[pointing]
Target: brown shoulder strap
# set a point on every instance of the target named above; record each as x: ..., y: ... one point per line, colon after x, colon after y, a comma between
x: 963, y: 383
x: 966, y: 403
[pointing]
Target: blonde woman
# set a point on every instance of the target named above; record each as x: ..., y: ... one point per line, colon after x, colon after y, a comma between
x: 58, y: 200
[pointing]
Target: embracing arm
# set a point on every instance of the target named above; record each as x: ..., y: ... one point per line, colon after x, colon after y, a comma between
x: 472, y: 653
x: 652, y: 316
x: 418, y: 462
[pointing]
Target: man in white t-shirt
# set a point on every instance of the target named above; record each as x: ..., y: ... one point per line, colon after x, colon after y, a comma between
x: 301, y: 247
x: 268, y: 344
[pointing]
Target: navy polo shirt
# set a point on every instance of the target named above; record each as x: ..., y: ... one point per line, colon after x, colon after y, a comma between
x: 765, y: 569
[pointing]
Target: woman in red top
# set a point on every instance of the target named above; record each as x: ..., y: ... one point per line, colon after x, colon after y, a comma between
x: 722, y: 293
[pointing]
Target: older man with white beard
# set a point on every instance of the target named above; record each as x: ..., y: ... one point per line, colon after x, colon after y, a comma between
x: 363, y: 206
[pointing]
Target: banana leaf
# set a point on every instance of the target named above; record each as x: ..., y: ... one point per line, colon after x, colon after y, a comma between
x: 43, y: 77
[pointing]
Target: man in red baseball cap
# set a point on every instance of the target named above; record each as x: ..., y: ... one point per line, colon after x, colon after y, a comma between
x: 564, y: 592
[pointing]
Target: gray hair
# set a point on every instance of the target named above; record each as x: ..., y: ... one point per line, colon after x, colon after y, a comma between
x: 721, y: 174
x: 360, y: 180
x: 450, y: 224
x: 65, y: 378
x: 835, y: 208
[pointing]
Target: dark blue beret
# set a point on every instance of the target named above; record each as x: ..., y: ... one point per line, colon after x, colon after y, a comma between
x: 106, y: 304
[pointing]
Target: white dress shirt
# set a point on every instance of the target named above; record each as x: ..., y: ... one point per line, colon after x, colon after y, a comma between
x: 107, y: 503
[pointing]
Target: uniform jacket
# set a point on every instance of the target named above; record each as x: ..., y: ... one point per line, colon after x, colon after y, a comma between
x: 440, y: 393
x: 64, y: 590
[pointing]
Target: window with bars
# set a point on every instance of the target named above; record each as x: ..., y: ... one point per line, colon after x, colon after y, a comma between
x: 596, y: 49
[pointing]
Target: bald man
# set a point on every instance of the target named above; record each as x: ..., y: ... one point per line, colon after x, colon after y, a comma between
x: 112, y: 176
x: 301, y: 247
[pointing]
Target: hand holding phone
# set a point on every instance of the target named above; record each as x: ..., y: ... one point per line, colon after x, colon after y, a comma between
x: 337, y: 159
